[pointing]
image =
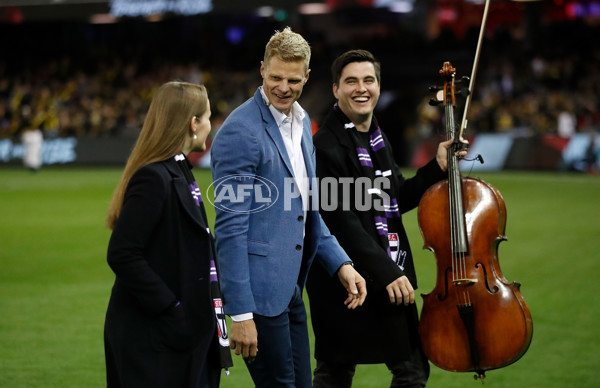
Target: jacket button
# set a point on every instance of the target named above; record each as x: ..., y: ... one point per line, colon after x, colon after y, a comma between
x: 298, y: 247
x: 300, y: 218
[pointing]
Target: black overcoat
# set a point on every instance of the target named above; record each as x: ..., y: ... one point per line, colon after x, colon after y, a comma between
x: 160, y: 250
x: 378, y: 331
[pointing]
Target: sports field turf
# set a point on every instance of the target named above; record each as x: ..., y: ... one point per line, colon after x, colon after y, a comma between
x: 54, y: 281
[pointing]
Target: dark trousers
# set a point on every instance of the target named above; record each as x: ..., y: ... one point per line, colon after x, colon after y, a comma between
x: 209, y: 377
x: 283, y: 358
x: 412, y: 373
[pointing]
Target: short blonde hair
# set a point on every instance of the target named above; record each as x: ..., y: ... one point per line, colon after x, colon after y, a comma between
x: 289, y: 47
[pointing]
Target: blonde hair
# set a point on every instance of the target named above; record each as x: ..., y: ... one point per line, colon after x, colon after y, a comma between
x: 289, y: 47
x: 163, y: 134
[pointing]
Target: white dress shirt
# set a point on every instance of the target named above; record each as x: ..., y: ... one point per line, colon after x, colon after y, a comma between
x: 291, y: 130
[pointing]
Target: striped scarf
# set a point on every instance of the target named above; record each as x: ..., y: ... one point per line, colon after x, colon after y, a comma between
x: 376, y: 162
x: 215, y: 289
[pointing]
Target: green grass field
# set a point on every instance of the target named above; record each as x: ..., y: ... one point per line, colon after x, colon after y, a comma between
x: 54, y: 281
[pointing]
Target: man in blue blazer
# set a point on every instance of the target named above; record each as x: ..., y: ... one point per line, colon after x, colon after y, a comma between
x: 267, y: 234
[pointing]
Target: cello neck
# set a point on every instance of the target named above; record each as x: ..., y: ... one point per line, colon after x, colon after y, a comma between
x: 457, y: 219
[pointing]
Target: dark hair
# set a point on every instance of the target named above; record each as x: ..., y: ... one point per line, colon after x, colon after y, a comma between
x: 353, y: 56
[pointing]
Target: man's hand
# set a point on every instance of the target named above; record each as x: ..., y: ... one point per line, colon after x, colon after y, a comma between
x: 401, y: 291
x: 244, y: 339
x: 354, y: 284
x: 442, y: 153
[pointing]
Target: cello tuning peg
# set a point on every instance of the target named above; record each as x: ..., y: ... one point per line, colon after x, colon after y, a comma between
x: 463, y: 80
x: 434, y: 102
x: 464, y: 92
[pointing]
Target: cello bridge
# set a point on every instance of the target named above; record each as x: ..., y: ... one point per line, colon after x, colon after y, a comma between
x: 464, y: 282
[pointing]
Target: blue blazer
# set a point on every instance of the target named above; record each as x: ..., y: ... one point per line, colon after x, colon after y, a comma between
x: 261, y: 249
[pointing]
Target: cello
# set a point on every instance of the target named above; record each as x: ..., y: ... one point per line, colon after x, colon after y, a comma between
x: 473, y: 320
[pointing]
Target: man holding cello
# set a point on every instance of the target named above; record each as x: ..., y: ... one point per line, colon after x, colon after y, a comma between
x: 350, y: 144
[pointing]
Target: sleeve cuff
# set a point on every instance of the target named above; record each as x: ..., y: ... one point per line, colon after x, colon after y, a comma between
x: 242, y: 317
x: 349, y: 262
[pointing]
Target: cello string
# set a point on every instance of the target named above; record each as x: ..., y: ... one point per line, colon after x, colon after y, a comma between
x: 452, y: 198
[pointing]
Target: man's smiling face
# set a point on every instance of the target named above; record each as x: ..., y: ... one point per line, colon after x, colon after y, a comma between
x: 283, y: 82
x: 358, y: 91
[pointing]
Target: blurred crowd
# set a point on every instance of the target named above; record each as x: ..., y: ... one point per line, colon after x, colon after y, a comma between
x: 552, y: 88
x: 548, y: 85
x: 547, y: 96
x: 63, y: 100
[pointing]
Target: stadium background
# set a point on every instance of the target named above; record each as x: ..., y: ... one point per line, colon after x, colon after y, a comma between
x: 85, y: 78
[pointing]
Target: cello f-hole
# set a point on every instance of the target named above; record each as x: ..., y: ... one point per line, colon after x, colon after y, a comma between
x: 485, y: 276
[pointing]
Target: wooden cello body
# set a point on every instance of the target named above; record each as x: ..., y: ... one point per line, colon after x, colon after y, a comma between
x: 473, y: 319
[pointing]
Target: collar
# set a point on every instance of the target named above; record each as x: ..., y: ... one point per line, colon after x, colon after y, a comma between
x: 181, y: 157
x: 348, y: 124
x: 297, y: 111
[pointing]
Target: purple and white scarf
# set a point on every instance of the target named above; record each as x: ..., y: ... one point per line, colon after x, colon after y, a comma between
x: 225, y: 360
x: 376, y: 161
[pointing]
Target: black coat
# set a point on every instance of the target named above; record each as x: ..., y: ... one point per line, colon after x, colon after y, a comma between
x: 160, y: 250
x: 378, y: 331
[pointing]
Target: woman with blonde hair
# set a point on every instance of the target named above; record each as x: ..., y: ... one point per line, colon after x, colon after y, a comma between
x: 164, y: 326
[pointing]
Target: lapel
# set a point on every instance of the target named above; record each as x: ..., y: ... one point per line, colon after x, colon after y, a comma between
x: 184, y: 195
x: 273, y: 130
x: 337, y: 127
x: 313, y: 206
x: 307, y: 153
